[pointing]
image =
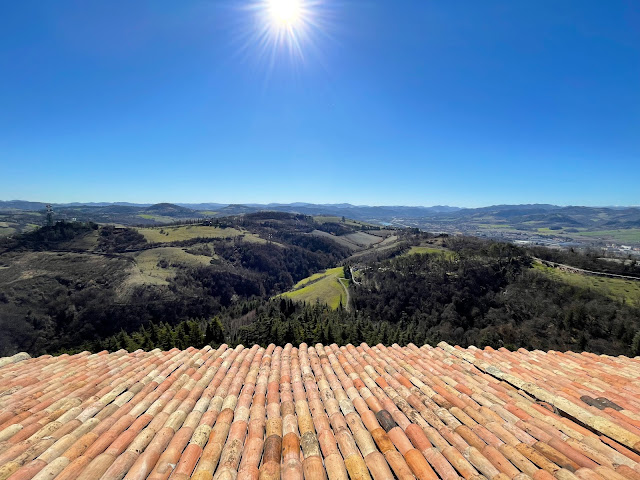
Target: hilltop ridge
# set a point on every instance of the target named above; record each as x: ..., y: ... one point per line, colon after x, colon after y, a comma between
x: 531, y: 223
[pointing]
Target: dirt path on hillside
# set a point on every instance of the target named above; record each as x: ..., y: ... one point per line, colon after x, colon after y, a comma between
x: 346, y: 290
x: 569, y: 268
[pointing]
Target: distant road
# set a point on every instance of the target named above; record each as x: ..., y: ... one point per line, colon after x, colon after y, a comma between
x: 346, y: 289
x: 353, y: 279
x: 569, y: 268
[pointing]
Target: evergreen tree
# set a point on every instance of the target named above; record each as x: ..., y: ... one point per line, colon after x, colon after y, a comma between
x: 635, y: 344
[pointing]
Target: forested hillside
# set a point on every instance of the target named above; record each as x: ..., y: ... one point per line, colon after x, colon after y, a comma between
x: 73, y: 282
x: 483, y: 294
x: 85, y: 286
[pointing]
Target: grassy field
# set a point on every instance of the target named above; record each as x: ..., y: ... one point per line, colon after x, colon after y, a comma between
x: 315, y: 277
x: 630, y: 235
x: 627, y: 291
x: 157, y: 218
x: 186, y: 232
x: 332, y: 219
x: 391, y: 239
x: 151, y: 273
x: 11, y: 228
x: 87, y: 241
x: 31, y: 274
x: 494, y: 225
x: 549, y: 231
x: 340, y: 239
x: 422, y: 249
x: 6, y: 229
x: 379, y: 247
x: 384, y: 233
x: 362, y: 239
x: 324, y: 287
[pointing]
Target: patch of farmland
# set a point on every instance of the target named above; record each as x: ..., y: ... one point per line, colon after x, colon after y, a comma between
x: 431, y: 250
x: 340, y: 239
x: 157, y: 265
x: 157, y: 218
x: 7, y: 229
x: 381, y: 233
x: 388, y: 240
x: 625, y: 291
x: 336, y: 219
x: 362, y: 239
x: 186, y: 232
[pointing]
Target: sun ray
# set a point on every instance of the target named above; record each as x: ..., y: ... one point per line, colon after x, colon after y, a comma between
x: 283, y: 30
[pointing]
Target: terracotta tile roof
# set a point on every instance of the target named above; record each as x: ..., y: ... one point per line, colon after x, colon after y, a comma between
x: 321, y: 412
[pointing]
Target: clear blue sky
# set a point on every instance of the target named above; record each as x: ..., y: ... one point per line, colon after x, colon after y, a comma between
x: 417, y: 102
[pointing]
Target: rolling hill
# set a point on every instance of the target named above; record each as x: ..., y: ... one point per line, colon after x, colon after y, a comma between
x: 79, y: 280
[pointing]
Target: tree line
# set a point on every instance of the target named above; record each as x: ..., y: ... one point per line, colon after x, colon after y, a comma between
x: 485, y: 294
x: 480, y: 292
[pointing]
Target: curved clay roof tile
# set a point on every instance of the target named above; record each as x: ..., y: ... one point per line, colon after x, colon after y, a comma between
x: 320, y: 411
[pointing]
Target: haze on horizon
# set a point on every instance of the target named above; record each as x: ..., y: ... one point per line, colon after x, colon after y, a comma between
x: 371, y: 103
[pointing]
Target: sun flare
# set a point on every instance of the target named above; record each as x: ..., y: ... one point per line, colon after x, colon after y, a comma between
x: 286, y: 12
x: 287, y: 29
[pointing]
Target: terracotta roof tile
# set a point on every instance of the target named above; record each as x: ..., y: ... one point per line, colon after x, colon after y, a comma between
x: 318, y: 412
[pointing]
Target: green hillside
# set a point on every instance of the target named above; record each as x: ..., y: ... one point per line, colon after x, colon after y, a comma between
x: 627, y: 291
x: 324, y: 287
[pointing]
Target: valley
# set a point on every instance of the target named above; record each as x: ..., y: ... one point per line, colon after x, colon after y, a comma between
x: 614, y: 228
x: 79, y: 280
x: 252, y: 276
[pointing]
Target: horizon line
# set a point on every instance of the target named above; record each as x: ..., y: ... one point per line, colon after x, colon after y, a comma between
x: 179, y: 203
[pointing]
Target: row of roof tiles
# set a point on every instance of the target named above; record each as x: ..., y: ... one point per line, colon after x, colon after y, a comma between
x: 321, y: 412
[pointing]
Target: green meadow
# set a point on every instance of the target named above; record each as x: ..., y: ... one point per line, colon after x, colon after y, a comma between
x: 626, y: 291
x: 324, y: 287
x: 630, y: 235
x: 186, y: 232
x: 422, y: 250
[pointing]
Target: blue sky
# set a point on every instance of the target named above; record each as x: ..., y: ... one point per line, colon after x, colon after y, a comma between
x: 420, y: 102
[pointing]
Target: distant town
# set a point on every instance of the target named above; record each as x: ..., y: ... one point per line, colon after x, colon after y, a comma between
x: 524, y: 237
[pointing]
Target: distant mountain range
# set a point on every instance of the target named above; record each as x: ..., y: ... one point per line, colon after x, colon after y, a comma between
x: 358, y: 212
x: 29, y: 205
x: 527, y: 217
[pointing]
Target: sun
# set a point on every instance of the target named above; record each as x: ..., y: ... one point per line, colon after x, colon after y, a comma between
x: 285, y: 12
x: 285, y: 29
